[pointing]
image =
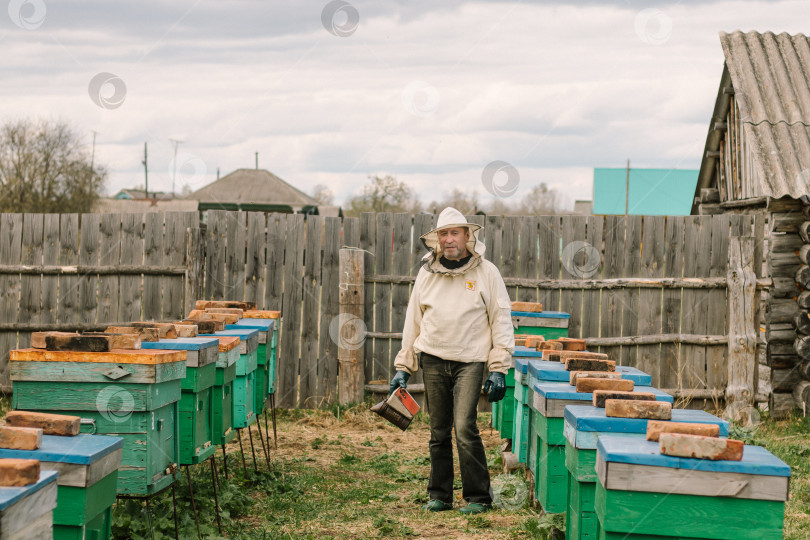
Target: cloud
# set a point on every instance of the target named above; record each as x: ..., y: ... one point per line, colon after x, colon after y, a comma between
x: 429, y: 92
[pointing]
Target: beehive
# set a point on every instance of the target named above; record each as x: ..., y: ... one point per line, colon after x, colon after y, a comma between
x: 549, y: 324
x: 26, y: 512
x: 549, y: 401
x: 88, y: 473
x: 223, y: 390
x: 265, y: 357
x: 641, y: 493
x: 583, y: 425
x: 133, y: 394
x: 196, y: 405
x: 244, y: 386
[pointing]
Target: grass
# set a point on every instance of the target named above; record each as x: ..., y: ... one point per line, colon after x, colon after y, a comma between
x: 789, y: 440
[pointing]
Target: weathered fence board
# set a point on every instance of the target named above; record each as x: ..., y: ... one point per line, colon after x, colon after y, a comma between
x: 593, y: 264
x: 382, y: 296
x: 612, y: 267
x: 549, y: 260
x: 697, y: 243
x: 274, y: 261
x: 109, y: 254
x: 368, y: 237
x: 630, y: 297
x: 255, y: 257
x: 132, y: 247
x: 402, y: 267
x: 290, y: 359
x: 573, y: 240
x: 330, y: 288
x: 528, y: 257
x: 50, y: 284
x: 716, y: 373
x: 671, y: 303
x: 308, y: 393
x: 649, y: 303
x: 152, y: 256
x: 510, y: 251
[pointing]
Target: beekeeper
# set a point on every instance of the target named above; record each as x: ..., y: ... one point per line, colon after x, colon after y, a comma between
x: 458, y: 326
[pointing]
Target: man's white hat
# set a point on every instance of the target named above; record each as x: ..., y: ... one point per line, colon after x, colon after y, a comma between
x: 449, y: 218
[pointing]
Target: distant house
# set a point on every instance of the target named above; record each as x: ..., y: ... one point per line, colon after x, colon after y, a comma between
x: 140, y: 194
x: 254, y: 190
x: 653, y: 192
x: 136, y: 201
x: 583, y: 208
x: 756, y: 161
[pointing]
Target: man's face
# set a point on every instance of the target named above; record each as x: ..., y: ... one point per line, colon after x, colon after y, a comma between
x: 453, y: 242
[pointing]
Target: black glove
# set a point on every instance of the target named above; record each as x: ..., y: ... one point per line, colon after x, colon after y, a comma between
x: 400, y: 380
x: 495, y: 387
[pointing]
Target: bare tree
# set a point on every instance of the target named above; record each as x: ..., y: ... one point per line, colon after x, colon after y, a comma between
x: 465, y: 202
x: 541, y: 201
x: 383, y: 194
x: 43, y: 168
x: 323, y: 195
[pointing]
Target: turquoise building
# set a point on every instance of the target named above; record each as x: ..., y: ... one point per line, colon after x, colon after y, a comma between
x: 653, y: 192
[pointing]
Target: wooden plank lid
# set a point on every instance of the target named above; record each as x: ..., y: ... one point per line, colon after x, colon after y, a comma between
x: 83, y: 449
x: 261, y: 314
x: 11, y: 495
x: 227, y: 343
x: 116, y: 356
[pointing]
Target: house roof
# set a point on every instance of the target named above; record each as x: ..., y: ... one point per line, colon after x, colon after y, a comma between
x: 770, y: 78
x: 252, y: 187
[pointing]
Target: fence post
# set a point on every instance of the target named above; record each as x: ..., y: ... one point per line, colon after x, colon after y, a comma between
x: 350, y: 329
x: 742, y: 337
x: 194, y: 270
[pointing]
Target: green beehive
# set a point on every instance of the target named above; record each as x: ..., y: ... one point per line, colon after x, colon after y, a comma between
x: 196, y: 414
x: 504, y: 410
x: 264, y: 358
x: 133, y: 394
x: 549, y: 324
x: 687, y: 497
x: 88, y: 472
x: 549, y: 402
x: 583, y: 427
x: 244, y: 386
x: 222, y: 391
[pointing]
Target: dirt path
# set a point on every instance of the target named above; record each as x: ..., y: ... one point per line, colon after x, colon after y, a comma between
x: 356, y: 476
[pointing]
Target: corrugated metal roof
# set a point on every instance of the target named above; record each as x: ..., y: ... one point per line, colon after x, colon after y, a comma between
x: 252, y: 186
x: 770, y: 75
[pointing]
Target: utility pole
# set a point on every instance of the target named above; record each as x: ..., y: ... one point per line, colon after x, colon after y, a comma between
x: 145, y: 172
x: 257, y: 160
x: 174, y: 163
x: 627, y: 189
x: 93, y: 154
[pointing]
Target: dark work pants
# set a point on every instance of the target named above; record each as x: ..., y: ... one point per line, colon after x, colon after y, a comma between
x: 451, y: 396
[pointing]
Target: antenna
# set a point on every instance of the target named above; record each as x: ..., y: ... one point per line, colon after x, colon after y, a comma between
x: 174, y: 162
x: 145, y: 172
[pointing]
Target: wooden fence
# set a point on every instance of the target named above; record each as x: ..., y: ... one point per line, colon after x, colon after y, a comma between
x: 649, y: 292
x: 72, y: 271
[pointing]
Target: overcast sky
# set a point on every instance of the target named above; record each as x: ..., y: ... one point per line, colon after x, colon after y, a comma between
x: 331, y: 92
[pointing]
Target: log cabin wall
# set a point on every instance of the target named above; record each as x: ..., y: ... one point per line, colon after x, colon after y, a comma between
x: 784, y: 344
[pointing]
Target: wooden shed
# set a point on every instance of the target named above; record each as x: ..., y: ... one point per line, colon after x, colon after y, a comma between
x: 757, y: 161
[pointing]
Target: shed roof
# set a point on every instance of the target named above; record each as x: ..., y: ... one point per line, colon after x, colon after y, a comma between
x: 254, y: 187
x: 770, y: 77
